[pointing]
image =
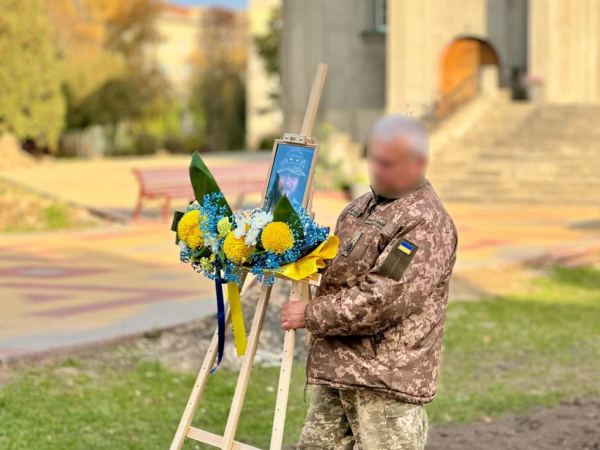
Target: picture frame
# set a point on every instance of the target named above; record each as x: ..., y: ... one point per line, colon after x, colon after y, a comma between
x: 291, y: 172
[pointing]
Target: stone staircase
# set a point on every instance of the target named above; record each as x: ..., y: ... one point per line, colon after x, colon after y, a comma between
x: 518, y: 152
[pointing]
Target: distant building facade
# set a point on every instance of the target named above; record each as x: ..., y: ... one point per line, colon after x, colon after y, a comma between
x: 429, y: 57
x: 564, y: 48
x: 180, y: 31
x: 350, y: 36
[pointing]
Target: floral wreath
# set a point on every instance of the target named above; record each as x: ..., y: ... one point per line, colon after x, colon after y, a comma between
x: 222, y: 245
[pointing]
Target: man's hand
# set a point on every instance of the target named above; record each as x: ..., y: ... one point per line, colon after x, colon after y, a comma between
x: 292, y: 315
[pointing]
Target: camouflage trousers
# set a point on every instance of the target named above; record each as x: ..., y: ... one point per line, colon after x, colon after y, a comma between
x: 362, y: 420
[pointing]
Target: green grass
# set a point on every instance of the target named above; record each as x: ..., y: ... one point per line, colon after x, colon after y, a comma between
x: 57, y: 216
x: 513, y: 353
x: 25, y: 211
x: 500, y: 355
x: 65, y: 407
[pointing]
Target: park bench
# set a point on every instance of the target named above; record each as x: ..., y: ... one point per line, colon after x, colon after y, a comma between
x: 170, y: 183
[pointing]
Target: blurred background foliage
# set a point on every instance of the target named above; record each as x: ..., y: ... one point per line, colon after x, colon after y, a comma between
x: 86, y: 69
x: 218, y: 98
x: 268, y: 44
x: 31, y: 101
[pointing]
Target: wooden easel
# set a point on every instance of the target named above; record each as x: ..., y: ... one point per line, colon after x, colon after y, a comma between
x: 300, y: 291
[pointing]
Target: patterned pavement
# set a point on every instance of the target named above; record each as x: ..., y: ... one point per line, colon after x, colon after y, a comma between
x: 496, y: 235
x: 68, y: 288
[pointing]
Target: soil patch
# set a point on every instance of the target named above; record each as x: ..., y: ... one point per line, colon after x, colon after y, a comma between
x: 569, y: 426
x: 11, y: 153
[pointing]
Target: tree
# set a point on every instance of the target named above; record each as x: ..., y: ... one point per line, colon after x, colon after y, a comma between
x: 79, y: 33
x: 31, y: 100
x: 218, y: 104
x: 116, y: 101
x: 108, y: 73
x: 131, y: 29
x: 267, y: 45
x: 130, y: 32
x: 218, y: 97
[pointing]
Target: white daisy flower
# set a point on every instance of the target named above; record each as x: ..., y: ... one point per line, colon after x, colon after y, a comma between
x: 241, y: 227
x: 261, y: 219
x: 252, y: 236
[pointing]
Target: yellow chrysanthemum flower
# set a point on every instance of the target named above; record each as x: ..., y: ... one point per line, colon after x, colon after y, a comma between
x: 188, y: 229
x: 223, y: 227
x: 236, y: 249
x: 277, y: 237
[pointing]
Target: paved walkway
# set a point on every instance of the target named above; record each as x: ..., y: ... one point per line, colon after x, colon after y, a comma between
x: 68, y: 288
x: 109, y: 184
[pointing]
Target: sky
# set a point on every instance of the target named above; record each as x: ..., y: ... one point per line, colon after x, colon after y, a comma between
x: 235, y: 4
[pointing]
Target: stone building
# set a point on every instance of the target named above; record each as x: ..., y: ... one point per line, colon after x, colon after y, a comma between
x: 457, y: 62
x: 180, y: 29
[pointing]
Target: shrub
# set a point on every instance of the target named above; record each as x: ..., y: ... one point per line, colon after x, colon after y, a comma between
x: 145, y: 144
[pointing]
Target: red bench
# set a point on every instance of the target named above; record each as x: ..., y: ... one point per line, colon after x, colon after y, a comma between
x: 235, y: 181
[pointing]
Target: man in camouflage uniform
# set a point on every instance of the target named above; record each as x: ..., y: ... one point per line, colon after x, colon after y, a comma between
x: 376, y: 321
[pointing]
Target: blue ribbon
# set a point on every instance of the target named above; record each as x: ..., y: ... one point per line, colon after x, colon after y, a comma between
x: 220, y: 318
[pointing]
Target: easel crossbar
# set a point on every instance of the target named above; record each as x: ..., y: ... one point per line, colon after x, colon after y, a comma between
x: 313, y: 280
x: 215, y: 440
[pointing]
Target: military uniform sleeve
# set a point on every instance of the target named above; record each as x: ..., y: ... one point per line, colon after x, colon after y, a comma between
x: 401, y: 280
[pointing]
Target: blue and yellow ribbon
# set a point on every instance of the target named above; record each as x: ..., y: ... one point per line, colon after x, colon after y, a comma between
x: 304, y: 267
x: 237, y: 318
x: 220, y: 319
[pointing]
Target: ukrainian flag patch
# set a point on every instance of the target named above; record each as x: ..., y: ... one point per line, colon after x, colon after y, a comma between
x: 405, y: 247
x: 398, y: 259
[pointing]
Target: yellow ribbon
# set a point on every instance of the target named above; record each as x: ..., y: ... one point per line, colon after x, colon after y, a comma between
x: 312, y: 262
x: 302, y: 268
x: 237, y: 318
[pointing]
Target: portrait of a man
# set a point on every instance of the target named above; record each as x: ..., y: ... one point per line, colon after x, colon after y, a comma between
x: 289, y: 175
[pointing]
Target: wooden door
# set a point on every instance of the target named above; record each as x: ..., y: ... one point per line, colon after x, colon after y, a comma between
x: 460, y: 63
x: 460, y: 72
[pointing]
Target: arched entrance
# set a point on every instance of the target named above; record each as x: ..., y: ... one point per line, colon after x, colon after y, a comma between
x: 462, y: 64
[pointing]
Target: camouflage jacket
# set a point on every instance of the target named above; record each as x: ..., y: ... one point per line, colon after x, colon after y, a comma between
x: 378, y: 316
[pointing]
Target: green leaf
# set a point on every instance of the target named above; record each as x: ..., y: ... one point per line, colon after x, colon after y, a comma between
x: 203, y: 252
x: 204, y: 183
x: 285, y: 212
x: 176, y: 218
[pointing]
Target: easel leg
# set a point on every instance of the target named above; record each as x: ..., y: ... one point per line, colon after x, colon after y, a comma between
x: 242, y: 384
x: 192, y: 404
x: 298, y: 289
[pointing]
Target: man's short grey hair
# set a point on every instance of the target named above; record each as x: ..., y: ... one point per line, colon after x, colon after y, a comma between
x: 390, y: 126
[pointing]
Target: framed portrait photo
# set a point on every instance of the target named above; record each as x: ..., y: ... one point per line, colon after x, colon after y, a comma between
x: 291, y: 173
